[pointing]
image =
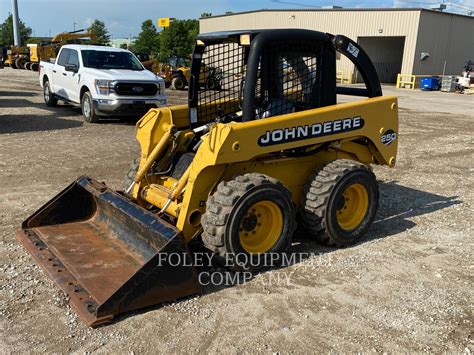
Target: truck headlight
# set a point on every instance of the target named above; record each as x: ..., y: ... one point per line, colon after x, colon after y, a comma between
x: 103, y: 87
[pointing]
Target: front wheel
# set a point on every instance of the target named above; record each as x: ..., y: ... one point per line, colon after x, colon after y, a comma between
x: 178, y: 83
x: 48, y: 96
x: 340, y: 202
x: 249, y: 218
x: 88, y: 111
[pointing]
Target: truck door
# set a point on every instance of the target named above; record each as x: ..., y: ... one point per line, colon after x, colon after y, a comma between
x: 60, y: 74
x: 71, y: 78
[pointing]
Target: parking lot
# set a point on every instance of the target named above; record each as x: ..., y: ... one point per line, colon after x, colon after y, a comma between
x: 408, y: 287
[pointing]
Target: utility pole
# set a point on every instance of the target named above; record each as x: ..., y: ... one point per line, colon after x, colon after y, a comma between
x: 16, y: 24
x: 74, y: 25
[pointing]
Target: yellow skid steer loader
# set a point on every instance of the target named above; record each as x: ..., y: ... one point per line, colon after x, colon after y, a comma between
x: 236, y: 167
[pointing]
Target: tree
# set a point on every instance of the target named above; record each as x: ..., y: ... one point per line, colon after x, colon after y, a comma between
x: 98, y: 28
x: 148, y: 40
x: 206, y: 14
x: 6, y: 32
x: 178, y: 38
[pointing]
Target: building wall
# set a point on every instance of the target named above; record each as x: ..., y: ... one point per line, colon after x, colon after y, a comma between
x: 445, y: 37
x: 353, y: 24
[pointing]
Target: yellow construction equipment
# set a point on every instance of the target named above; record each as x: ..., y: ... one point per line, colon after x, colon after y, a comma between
x: 17, y: 57
x: 45, y: 51
x: 236, y: 167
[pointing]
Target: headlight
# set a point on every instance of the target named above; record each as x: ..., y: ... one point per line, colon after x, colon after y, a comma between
x: 103, y: 87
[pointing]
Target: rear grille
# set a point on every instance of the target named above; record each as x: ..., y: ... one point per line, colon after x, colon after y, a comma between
x: 136, y: 89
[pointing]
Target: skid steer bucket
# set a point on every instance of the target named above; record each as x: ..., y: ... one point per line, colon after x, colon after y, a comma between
x: 107, y: 253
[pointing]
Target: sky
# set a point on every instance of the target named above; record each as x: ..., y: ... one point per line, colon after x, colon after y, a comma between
x: 123, y: 18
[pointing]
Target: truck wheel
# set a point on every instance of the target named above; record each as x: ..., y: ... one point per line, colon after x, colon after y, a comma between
x: 340, y: 202
x: 48, y: 96
x: 87, y: 106
x: 13, y: 65
x: 249, y: 216
x: 20, y: 62
x: 178, y: 83
x: 28, y: 66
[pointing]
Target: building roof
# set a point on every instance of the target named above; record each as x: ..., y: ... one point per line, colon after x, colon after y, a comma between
x: 339, y: 9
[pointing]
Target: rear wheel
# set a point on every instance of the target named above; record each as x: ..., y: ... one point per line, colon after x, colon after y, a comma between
x: 250, y: 215
x: 28, y: 66
x: 340, y: 202
x: 20, y: 62
x: 48, y: 96
x: 212, y: 84
x: 87, y: 106
x: 178, y: 83
x: 13, y: 65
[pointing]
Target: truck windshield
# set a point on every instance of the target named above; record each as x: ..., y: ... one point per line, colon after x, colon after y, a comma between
x: 110, y: 60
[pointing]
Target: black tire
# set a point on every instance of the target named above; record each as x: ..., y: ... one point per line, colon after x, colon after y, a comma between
x: 326, y: 199
x: 230, y: 211
x: 20, y: 62
x: 48, y: 96
x: 87, y: 106
x: 28, y: 66
x: 212, y: 84
x: 132, y: 171
x: 13, y: 65
x: 34, y: 66
x: 178, y: 83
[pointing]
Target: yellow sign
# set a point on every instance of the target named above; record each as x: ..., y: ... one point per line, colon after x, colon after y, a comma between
x: 164, y: 22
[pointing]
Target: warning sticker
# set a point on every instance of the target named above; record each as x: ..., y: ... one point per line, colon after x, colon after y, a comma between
x: 353, y: 50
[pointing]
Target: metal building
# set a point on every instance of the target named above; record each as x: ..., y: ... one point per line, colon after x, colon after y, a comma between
x: 408, y: 41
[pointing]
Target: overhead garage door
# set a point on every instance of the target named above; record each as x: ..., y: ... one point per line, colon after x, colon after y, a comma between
x: 386, y: 54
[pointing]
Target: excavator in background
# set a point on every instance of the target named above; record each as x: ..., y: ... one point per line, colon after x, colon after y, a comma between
x: 235, y: 170
x: 30, y: 56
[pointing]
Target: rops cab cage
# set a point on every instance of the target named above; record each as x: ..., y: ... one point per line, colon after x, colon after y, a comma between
x: 265, y: 73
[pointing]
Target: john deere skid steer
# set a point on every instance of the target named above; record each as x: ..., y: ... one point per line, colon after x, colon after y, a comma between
x: 235, y: 168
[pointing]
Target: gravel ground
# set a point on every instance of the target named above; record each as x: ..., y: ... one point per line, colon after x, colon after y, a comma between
x: 409, y: 287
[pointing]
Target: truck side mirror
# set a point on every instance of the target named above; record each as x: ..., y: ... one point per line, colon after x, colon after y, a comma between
x: 72, y: 68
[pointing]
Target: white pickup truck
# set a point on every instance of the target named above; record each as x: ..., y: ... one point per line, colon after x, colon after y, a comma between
x: 102, y: 80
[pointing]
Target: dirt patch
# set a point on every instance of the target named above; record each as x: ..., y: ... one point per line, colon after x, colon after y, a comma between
x: 407, y: 288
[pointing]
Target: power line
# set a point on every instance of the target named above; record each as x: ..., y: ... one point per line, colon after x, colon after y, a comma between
x: 416, y: 2
x: 294, y: 3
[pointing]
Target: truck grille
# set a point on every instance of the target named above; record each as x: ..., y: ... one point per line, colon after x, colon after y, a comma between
x: 136, y: 89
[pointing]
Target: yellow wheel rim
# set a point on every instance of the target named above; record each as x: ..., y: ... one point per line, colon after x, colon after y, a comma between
x: 261, y: 227
x: 352, y: 207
